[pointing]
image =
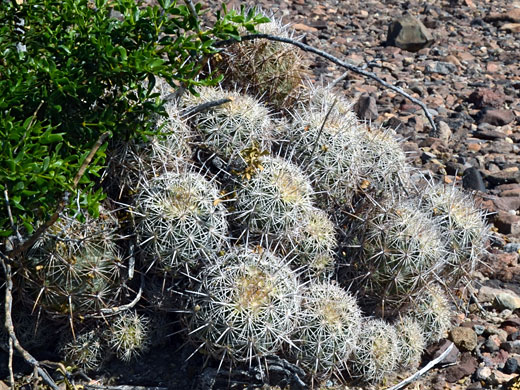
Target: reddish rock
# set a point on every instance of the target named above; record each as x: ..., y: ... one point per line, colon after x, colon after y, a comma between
x: 366, y: 108
x: 496, y: 117
x: 485, y: 97
x: 467, y: 366
x: 507, y: 223
x: 507, y: 203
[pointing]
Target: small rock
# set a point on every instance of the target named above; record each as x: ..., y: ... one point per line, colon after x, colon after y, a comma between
x: 507, y: 203
x: 472, y: 180
x: 444, y: 68
x: 495, y: 117
x: 507, y: 223
x: 485, y: 97
x: 467, y: 366
x: 488, y: 134
x: 512, y: 247
x: 366, y: 107
x: 511, y: 27
x: 505, y: 176
x: 511, y: 346
x: 409, y: 33
x: 304, y: 27
x: 444, y: 131
x: 464, y: 338
x: 511, y: 366
x: 483, y: 374
x: 492, y: 344
x: 436, y: 350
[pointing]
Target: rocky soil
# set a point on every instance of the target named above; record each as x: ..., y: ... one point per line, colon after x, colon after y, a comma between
x: 469, y: 77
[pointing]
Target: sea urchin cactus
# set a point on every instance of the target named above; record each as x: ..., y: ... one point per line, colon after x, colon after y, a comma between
x: 377, y: 353
x: 245, y: 306
x: 275, y: 199
x: 329, y: 326
x: 181, y: 220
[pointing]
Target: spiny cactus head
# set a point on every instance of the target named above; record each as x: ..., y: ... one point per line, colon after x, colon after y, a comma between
x: 382, y: 163
x: 402, y: 252
x: 85, y: 351
x: 312, y: 244
x: 273, y: 70
x: 465, y: 230
x: 245, y: 305
x: 232, y: 127
x: 275, y: 198
x: 377, y: 354
x: 432, y: 311
x: 133, y: 163
x: 329, y: 325
x: 411, y: 342
x: 128, y: 335
x: 181, y: 220
x: 75, y: 268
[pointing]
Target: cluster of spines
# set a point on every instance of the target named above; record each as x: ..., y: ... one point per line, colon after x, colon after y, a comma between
x: 269, y: 69
x: 248, y: 302
x: 181, y: 220
x: 75, y: 269
x: 244, y: 306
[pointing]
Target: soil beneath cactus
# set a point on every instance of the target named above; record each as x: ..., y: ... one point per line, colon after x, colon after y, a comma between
x: 470, y: 70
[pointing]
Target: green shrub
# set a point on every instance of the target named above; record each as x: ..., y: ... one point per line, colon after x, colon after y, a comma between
x: 73, y: 70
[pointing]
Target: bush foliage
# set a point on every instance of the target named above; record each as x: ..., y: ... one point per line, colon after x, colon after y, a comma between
x: 73, y: 70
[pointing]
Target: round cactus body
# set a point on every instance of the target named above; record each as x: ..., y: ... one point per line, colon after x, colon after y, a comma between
x: 128, y: 335
x: 329, y: 326
x: 411, y: 342
x: 231, y: 128
x: 246, y: 305
x: 377, y: 354
x: 134, y: 163
x: 181, y: 220
x: 85, y: 351
x: 75, y: 268
x: 276, y: 197
x: 402, y: 252
x: 432, y: 311
x: 329, y: 147
x: 273, y: 70
x: 312, y: 243
x: 463, y: 225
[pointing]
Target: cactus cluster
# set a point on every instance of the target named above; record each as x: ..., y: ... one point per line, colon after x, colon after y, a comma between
x: 309, y: 241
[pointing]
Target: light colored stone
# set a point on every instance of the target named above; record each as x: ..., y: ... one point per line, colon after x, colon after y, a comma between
x: 444, y: 131
x: 409, y: 33
x: 464, y: 338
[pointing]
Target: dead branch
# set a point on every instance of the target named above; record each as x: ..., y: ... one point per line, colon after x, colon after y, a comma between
x: 204, y: 106
x: 423, y: 370
x: 335, y: 60
x: 42, y: 228
x: 9, y: 326
x: 320, y: 132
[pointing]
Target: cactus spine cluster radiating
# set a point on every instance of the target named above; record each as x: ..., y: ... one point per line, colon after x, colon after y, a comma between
x: 181, y: 220
x: 269, y: 69
x: 75, y: 268
x: 128, y: 335
x: 465, y: 230
x: 377, y: 353
x: 230, y: 128
x: 245, y: 305
x: 276, y: 197
x: 329, y: 326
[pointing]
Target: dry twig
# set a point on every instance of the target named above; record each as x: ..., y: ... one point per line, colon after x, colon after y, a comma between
x: 9, y: 326
x: 423, y: 370
x: 335, y: 60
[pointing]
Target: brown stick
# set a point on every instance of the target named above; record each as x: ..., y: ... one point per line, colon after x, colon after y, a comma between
x: 335, y: 60
x: 9, y: 326
x: 42, y: 228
